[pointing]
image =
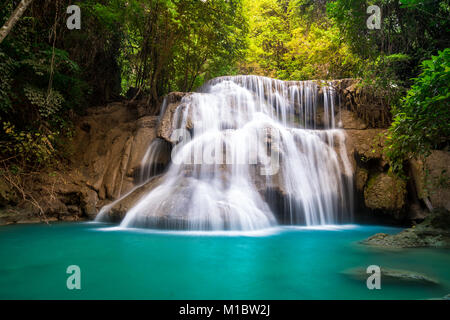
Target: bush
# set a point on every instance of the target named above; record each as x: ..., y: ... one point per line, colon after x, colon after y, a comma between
x: 422, y: 119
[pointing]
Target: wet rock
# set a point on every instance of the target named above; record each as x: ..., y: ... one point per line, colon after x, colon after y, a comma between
x: 109, y: 144
x: 362, y: 101
x: 417, y: 173
x: 366, y: 146
x: 116, y: 211
x: 88, y: 204
x: 416, y: 212
x: 165, y: 127
x: 394, y: 276
x: 145, y: 134
x: 434, y: 231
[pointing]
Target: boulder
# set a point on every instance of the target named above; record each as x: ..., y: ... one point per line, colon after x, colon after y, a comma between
x: 366, y: 147
x: 385, y: 192
x: 116, y: 211
x: 434, y: 231
x: 394, y: 276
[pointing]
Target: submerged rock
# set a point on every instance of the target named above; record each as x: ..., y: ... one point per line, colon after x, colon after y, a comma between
x: 433, y: 232
x: 394, y: 276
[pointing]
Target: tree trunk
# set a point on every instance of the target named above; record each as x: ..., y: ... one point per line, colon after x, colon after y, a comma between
x: 4, y: 31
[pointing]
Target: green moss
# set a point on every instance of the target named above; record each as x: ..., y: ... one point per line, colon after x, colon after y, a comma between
x: 372, y: 180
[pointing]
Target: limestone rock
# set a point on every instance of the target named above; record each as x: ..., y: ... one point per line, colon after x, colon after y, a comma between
x: 109, y: 144
x: 366, y: 145
x: 117, y: 210
x: 371, y: 109
x: 349, y: 121
x: 438, y: 179
x: 165, y: 127
x: 433, y: 232
x: 361, y: 178
x: 394, y: 276
x: 385, y: 192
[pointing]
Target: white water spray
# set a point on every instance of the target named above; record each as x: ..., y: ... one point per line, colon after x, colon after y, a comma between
x: 312, y: 183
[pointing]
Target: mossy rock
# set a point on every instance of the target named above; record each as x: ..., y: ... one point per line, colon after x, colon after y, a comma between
x: 434, y: 231
x: 389, y: 275
x: 385, y: 192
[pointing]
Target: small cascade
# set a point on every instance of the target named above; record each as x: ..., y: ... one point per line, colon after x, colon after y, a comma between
x: 252, y: 152
x: 153, y: 161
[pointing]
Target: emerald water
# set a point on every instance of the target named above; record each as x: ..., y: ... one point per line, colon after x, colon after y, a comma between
x: 281, y: 263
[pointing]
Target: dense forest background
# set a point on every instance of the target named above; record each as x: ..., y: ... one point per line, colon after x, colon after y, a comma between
x: 147, y: 48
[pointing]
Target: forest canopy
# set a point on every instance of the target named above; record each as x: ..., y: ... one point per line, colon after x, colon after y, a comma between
x: 131, y: 48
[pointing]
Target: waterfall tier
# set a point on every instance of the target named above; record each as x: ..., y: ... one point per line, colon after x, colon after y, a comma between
x: 249, y: 153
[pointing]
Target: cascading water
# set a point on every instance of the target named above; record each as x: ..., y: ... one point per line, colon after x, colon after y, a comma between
x: 224, y: 176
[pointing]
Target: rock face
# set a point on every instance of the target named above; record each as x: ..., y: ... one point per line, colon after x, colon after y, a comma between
x: 116, y: 211
x: 372, y: 179
x: 385, y: 192
x: 432, y: 179
x: 365, y: 119
x: 363, y: 103
x: 106, y: 152
x: 109, y: 144
x: 171, y: 104
x: 433, y: 232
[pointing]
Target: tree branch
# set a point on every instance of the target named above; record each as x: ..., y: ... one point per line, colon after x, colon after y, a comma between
x: 23, y: 5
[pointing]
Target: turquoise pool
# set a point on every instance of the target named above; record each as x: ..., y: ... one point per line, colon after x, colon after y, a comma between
x: 282, y: 263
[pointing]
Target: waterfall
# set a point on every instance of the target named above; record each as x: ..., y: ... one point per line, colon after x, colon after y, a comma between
x: 251, y: 152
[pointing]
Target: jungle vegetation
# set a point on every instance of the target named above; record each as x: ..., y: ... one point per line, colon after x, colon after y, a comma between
x: 127, y: 48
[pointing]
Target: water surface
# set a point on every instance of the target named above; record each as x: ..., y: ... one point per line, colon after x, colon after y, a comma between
x: 280, y: 263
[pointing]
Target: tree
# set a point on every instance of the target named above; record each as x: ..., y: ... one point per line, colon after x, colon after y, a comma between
x: 294, y: 40
x: 421, y: 121
x: 23, y: 5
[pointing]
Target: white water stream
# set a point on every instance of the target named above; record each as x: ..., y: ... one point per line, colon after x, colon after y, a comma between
x: 260, y: 152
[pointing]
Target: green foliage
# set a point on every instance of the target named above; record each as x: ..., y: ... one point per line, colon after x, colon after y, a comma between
x: 158, y: 46
x: 415, y: 28
x: 175, y: 45
x: 40, y: 86
x: 294, y: 40
x: 48, y: 104
x: 49, y: 73
x: 29, y: 148
x: 422, y: 120
x: 382, y: 77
